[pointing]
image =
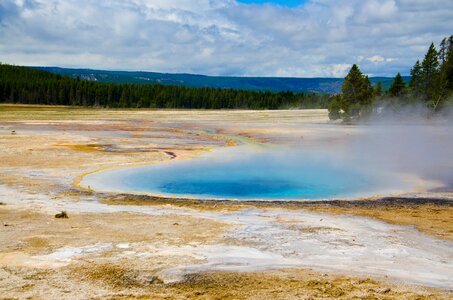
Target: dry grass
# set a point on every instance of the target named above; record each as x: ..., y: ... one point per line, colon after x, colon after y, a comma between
x: 125, y: 283
x: 115, y: 276
x: 38, y: 243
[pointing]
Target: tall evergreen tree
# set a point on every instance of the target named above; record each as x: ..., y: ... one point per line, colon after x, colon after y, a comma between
x: 443, y: 51
x: 444, y: 87
x: 430, y: 63
x: 446, y: 69
x: 430, y: 73
x: 337, y: 107
x: 352, y: 85
x: 397, y: 87
x: 378, y: 89
x: 357, y: 91
x: 416, y: 82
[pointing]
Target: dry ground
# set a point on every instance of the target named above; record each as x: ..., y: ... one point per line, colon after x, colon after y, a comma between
x: 43, y: 150
x: 30, y: 235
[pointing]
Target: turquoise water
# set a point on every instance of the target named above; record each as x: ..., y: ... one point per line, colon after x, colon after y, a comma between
x: 248, y: 175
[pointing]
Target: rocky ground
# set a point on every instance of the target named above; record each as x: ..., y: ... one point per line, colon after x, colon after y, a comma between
x: 128, y: 247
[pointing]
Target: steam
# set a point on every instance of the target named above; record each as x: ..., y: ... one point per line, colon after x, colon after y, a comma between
x: 409, y: 140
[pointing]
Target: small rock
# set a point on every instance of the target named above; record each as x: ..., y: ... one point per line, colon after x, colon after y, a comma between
x: 175, y: 224
x: 153, y: 280
x: 383, y: 290
x: 62, y: 215
x: 380, y: 290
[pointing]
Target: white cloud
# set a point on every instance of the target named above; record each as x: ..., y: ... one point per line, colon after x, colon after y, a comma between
x: 376, y: 59
x: 340, y: 70
x: 223, y: 37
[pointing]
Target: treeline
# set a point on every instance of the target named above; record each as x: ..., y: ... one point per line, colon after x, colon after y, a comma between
x: 431, y: 84
x: 30, y: 86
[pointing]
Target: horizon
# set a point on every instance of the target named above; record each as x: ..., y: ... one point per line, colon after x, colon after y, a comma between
x: 195, y: 74
x: 226, y: 38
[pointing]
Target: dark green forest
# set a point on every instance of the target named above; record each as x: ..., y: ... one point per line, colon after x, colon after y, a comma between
x: 30, y: 86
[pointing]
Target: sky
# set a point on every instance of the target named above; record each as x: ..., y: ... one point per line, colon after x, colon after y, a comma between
x: 287, y: 3
x: 288, y: 38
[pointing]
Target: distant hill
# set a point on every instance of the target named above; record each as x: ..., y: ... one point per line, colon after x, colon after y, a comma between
x: 26, y: 85
x: 275, y: 84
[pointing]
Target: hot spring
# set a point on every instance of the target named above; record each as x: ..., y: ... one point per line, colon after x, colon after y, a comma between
x: 244, y: 174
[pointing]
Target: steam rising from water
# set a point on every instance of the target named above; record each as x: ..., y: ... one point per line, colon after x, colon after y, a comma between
x: 424, y: 150
x: 411, y: 141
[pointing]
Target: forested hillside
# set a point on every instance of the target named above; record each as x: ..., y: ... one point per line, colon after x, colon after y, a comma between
x: 273, y: 84
x: 32, y: 86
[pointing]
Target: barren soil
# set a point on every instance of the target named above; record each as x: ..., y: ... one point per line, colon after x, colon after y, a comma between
x: 133, y: 247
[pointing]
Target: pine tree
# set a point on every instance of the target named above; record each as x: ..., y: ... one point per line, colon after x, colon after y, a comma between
x: 443, y: 50
x: 338, y: 108
x: 352, y: 85
x: 446, y: 69
x: 430, y: 72
x: 367, y: 92
x: 397, y: 87
x: 416, y: 82
x: 430, y: 63
x: 444, y: 87
x: 357, y: 91
x: 378, y: 89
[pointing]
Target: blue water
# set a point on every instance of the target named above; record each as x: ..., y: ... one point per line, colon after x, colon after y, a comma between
x: 249, y: 175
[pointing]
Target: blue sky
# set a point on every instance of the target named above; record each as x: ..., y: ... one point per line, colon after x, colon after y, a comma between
x: 321, y: 38
x: 288, y: 3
